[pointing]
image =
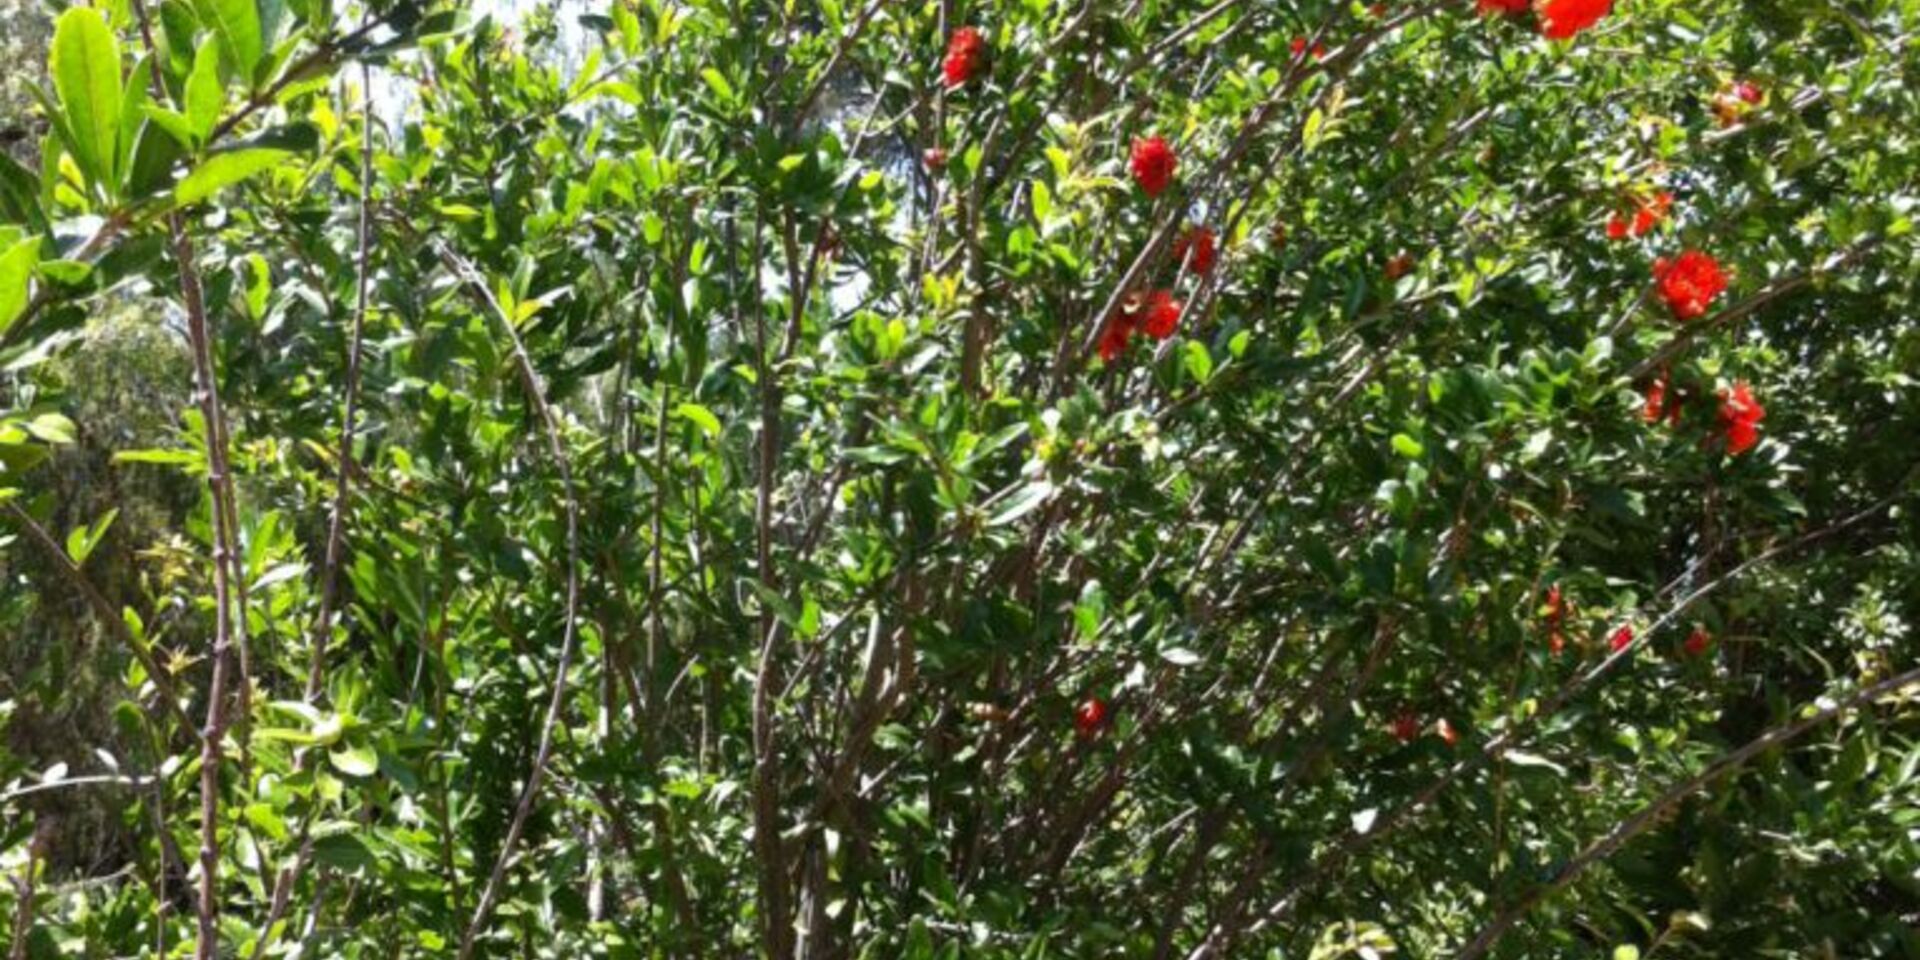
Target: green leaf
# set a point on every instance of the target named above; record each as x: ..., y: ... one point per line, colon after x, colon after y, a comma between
x: 236, y: 29
x: 82, y: 541
x: 265, y: 820
x: 701, y: 417
x: 1408, y: 447
x: 222, y: 170
x: 342, y: 851
x: 86, y: 75
x: 1020, y: 503
x: 20, y: 195
x: 174, y: 458
x: 717, y: 82
x: 51, y: 428
x: 1198, y: 361
x: 1180, y: 656
x: 203, y: 94
x: 16, y: 266
x: 355, y: 761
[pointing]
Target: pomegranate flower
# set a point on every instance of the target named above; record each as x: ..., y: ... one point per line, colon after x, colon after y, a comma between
x: 1114, y: 339
x: 1659, y: 405
x: 1090, y: 716
x: 1153, y: 164
x: 1621, y: 639
x: 1562, y: 19
x: 1689, y: 284
x: 1616, y: 227
x: 1652, y: 211
x: 1160, y: 315
x: 966, y: 52
x: 1510, y: 8
x: 1405, y: 727
x: 1698, y: 642
x: 1740, y: 417
x: 1197, y: 249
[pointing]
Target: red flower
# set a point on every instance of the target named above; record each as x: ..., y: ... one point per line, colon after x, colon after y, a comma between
x: 1199, y: 242
x: 935, y: 158
x: 1299, y: 47
x: 1558, y: 609
x: 1698, y: 642
x: 1114, y: 340
x: 1153, y: 163
x: 1511, y: 8
x: 1160, y: 315
x: 1447, y: 732
x: 1656, y: 401
x: 1090, y: 716
x: 1561, y: 19
x: 1690, y: 283
x: 1400, y: 265
x: 1740, y: 417
x: 1651, y: 212
x: 1406, y: 726
x: 1616, y: 227
x: 1748, y: 93
x: 966, y: 51
x: 1621, y: 639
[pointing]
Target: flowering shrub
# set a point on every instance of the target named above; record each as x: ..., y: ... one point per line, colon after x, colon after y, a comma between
x: 680, y: 479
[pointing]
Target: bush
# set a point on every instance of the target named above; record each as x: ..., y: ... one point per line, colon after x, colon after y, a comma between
x: 992, y: 480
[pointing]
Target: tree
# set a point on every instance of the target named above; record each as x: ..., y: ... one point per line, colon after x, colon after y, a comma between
x: 1001, y: 480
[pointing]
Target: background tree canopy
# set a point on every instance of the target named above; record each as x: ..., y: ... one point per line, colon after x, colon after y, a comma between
x: 928, y: 478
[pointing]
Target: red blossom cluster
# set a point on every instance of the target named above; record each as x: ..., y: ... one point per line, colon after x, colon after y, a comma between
x: 1155, y: 314
x: 1621, y: 639
x: 1740, y: 416
x: 1153, y: 163
x: 1648, y: 212
x: 966, y: 53
x: 1558, y: 19
x: 1298, y: 46
x: 1197, y: 249
x: 1689, y: 284
x: 1405, y: 727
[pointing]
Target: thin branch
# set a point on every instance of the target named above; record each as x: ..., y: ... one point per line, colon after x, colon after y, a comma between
x: 343, y: 481
x: 225, y: 554
x: 109, y: 617
x: 543, y: 754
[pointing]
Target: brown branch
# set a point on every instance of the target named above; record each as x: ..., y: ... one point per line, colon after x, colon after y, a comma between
x: 225, y: 554
x: 343, y: 481
x: 543, y: 753
x: 109, y: 617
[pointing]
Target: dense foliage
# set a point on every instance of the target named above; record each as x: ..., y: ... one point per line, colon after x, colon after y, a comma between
x: 873, y: 478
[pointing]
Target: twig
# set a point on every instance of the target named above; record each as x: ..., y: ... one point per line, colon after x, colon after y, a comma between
x: 543, y: 754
